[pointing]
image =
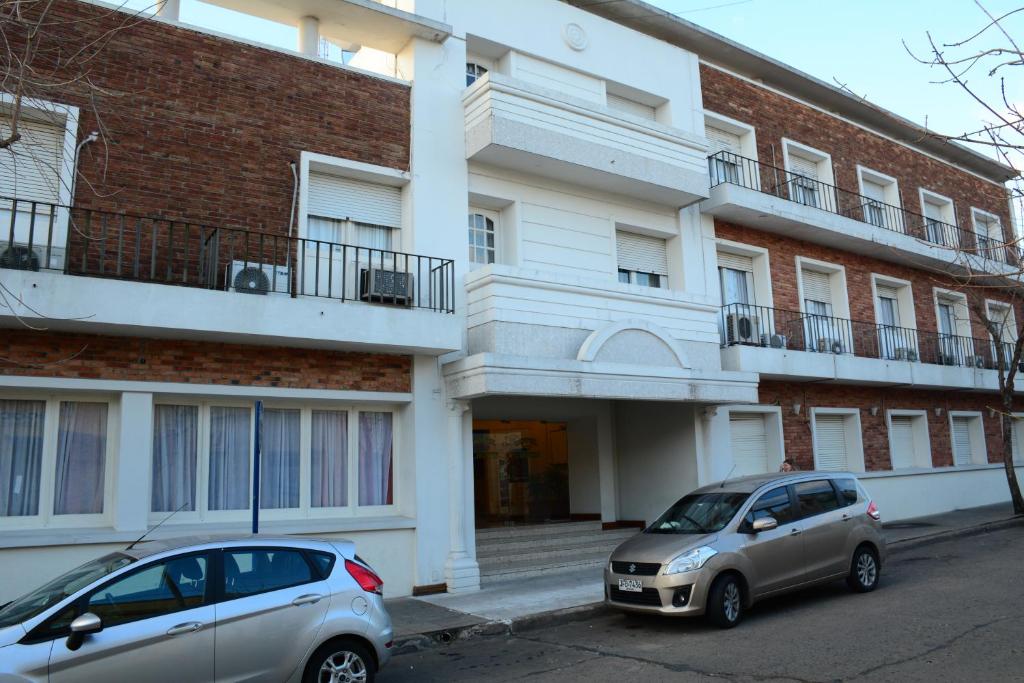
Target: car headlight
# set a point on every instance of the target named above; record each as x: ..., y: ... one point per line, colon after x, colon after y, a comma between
x: 691, y: 560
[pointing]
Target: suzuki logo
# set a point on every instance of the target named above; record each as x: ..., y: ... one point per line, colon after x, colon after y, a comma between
x: 632, y: 568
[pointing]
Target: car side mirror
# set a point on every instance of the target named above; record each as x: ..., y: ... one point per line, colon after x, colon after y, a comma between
x: 764, y: 524
x: 82, y: 626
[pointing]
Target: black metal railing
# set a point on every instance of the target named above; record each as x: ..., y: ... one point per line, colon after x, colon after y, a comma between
x: 78, y: 241
x: 726, y: 167
x: 750, y: 325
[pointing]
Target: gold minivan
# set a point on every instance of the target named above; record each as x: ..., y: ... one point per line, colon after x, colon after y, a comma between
x: 722, y: 548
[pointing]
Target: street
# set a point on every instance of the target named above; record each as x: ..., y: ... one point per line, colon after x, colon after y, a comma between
x: 944, y: 612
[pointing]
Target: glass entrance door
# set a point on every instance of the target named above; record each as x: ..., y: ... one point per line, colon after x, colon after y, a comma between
x: 521, y: 472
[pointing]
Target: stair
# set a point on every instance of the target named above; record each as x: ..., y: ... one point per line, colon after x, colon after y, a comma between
x: 521, y: 552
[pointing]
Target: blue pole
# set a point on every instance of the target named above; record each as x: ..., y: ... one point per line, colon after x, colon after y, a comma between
x: 256, y: 468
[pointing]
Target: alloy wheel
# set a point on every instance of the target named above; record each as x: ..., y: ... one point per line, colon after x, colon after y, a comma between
x: 343, y: 667
x: 731, y: 602
x: 867, y: 570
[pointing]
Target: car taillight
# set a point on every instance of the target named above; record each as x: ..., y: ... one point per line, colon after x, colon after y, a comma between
x: 367, y: 580
x: 873, y: 512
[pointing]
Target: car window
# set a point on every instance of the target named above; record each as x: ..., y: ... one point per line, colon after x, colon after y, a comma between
x: 251, y: 571
x: 699, y: 513
x: 847, y: 490
x: 775, y: 504
x: 816, y: 497
x: 161, y: 588
x: 324, y: 562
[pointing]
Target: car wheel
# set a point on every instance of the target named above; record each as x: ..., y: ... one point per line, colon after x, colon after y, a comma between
x: 864, y: 571
x: 725, y: 602
x: 340, y: 661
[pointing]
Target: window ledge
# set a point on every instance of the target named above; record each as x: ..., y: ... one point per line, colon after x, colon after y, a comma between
x: 912, y: 471
x: 28, y: 538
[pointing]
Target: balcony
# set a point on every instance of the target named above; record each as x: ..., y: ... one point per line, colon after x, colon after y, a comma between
x: 226, y: 283
x: 752, y: 193
x: 797, y: 346
x: 525, y: 127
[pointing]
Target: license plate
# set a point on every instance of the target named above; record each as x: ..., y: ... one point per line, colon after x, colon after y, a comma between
x: 631, y: 585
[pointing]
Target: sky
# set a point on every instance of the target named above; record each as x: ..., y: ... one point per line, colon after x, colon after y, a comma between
x: 857, y: 43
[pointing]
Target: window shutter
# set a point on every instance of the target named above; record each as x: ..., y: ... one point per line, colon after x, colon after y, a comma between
x: 735, y: 261
x: 830, y: 435
x: 624, y: 104
x: 886, y: 292
x: 641, y: 253
x: 933, y: 211
x: 30, y: 168
x: 817, y: 286
x: 749, y: 443
x: 722, y: 140
x: 902, y: 433
x: 342, y: 198
x: 805, y: 167
x: 961, y: 441
x: 873, y: 190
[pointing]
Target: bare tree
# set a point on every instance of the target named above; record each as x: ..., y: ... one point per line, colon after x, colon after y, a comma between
x: 985, y: 67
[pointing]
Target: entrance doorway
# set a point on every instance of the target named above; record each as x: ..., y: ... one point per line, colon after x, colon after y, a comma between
x: 520, y: 472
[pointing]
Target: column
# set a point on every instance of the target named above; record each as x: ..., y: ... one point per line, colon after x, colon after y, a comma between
x: 309, y: 36
x: 461, y: 571
x: 607, y: 474
x: 132, y: 480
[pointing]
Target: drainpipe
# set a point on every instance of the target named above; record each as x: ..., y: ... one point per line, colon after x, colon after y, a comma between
x: 309, y: 36
x: 169, y: 9
x: 92, y: 137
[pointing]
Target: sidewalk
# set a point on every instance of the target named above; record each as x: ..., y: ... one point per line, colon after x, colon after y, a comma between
x: 499, y: 608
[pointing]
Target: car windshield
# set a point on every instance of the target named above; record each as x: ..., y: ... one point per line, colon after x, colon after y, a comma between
x: 52, y: 592
x: 699, y: 513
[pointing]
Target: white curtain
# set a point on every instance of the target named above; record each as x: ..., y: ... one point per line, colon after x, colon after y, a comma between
x: 81, y: 452
x: 329, y: 484
x: 21, y: 453
x: 375, y: 432
x: 175, y: 441
x: 279, y: 459
x: 373, y: 236
x: 230, y: 452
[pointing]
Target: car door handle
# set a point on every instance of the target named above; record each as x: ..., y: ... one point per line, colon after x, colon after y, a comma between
x: 846, y: 517
x: 795, y: 532
x: 307, y: 599
x: 190, y: 627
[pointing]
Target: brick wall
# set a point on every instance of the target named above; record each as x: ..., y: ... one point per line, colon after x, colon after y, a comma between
x: 79, y: 356
x: 201, y: 128
x: 775, y: 116
x: 875, y: 435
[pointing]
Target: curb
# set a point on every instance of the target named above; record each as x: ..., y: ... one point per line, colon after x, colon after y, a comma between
x: 939, y: 536
x: 419, y: 642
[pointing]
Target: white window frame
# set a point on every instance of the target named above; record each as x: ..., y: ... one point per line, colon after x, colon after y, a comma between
x: 495, y: 217
x: 46, y: 519
x: 852, y: 429
x: 922, y: 437
x: 762, y: 268
x: 749, y: 177
x: 948, y: 209
x: 663, y: 280
x: 774, y: 434
x: 1000, y: 237
x: 979, y: 451
x: 305, y: 510
x: 905, y: 302
x: 891, y: 190
x: 480, y: 61
x: 964, y: 328
x: 1017, y: 420
x: 1009, y: 330
x: 824, y: 162
x: 837, y: 283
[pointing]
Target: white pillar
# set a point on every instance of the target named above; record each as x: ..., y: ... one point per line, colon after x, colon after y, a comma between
x: 309, y: 36
x: 606, y: 465
x: 134, y: 455
x: 461, y: 571
x: 169, y: 9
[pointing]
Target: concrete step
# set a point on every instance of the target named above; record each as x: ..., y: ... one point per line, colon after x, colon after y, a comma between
x: 609, y: 539
x: 553, y: 529
x: 544, y: 558
x: 522, y: 570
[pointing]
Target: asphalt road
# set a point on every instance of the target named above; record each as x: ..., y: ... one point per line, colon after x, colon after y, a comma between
x: 950, y: 611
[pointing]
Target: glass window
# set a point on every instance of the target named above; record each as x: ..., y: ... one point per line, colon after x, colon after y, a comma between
x: 481, y: 239
x: 737, y: 286
x: 373, y: 236
x: 847, y: 491
x: 329, y: 459
x: 81, y: 456
x: 775, y: 504
x: 643, y: 279
x: 161, y: 588
x: 175, y: 451
x: 230, y: 452
x: 473, y: 72
x: 375, y: 456
x: 21, y: 456
x: 816, y: 497
x: 324, y: 562
x: 279, y: 459
x: 253, y: 571
x: 699, y: 513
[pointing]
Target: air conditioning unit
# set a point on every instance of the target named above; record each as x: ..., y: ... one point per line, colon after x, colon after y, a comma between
x: 906, y: 354
x: 742, y: 329
x: 827, y: 344
x: 253, y: 278
x: 381, y: 285
x: 776, y: 341
x: 978, y: 361
x: 20, y: 257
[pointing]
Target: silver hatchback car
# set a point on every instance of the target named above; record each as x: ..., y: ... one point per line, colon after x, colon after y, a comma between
x: 722, y: 548
x: 200, y: 609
